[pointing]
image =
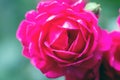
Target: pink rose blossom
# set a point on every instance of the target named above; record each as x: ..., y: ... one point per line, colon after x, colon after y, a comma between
x: 110, y: 69
x: 63, y: 40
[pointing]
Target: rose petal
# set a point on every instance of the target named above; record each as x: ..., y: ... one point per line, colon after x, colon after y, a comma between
x: 38, y: 59
x: 88, y: 18
x: 115, y: 36
x: 54, y: 72
x: 51, y: 7
x: 65, y: 55
x: 86, y: 49
x: 21, y: 32
x: 41, y: 18
x: 105, y: 41
x: 51, y: 54
x: 26, y: 52
x: 78, y: 45
x: 58, y: 39
x: 31, y: 15
x: 83, y: 72
x: 48, y: 67
x: 79, y: 5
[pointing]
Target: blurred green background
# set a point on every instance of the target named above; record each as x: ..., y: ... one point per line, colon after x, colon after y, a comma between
x: 13, y: 66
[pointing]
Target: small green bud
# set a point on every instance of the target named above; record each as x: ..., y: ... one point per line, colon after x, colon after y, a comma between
x: 94, y: 7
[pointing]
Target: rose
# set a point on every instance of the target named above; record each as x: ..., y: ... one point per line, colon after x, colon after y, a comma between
x: 110, y: 68
x: 62, y: 39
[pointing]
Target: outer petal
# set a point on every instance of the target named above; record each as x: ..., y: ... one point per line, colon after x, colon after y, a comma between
x: 105, y: 41
x: 31, y: 15
x: 83, y: 72
x: 79, y: 4
x: 43, y: 62
x: 115, y: 36
x: 21, y: 32
x: 51, y: 7
x: 52, y: 68
x: 22, y: 35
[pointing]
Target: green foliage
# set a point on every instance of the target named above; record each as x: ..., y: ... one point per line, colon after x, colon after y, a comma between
x: 13, y: 66
x: 108, y: 13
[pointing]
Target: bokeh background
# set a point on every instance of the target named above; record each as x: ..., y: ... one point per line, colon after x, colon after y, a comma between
x: 13, y: 66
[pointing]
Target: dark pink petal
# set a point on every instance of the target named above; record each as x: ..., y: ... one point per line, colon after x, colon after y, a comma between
x: 86, y: 61
x: 37, y: 57
x: 31, y: 15
x: 79, y: 5
x: 105, y: 41
x: 58, y: 38
x: 24, y: 37
x: 65, y: 55
x: 47, y: 66
x: 41, y: 18
x: 72, y: 35
x: 50, y: 53
x: 34, y: 50
x: 84, y: 52
x: 21, y: 32
x: 115, y: 36
x: 78, y: 44
x: 30, y: 30
x: 83, y: 72
x: 26, y: 52
x: 88, y: 18
x: 39, y: 63
x: 55, y: 72
x: 51, y: 7
x: 40, y: 60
